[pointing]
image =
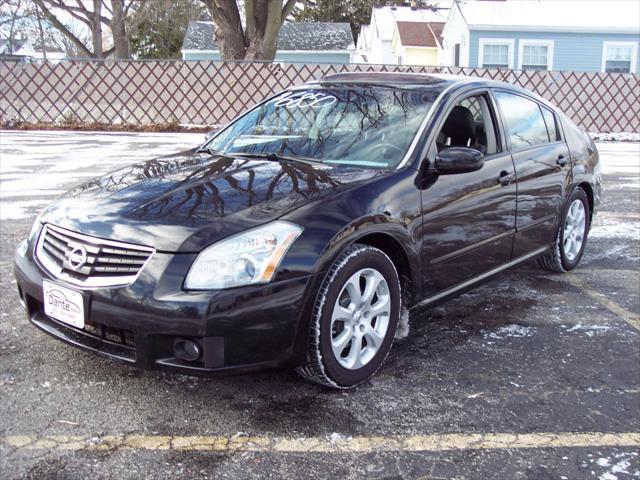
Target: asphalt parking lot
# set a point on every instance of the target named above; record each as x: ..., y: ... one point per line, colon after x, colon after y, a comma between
x: 531, y: 376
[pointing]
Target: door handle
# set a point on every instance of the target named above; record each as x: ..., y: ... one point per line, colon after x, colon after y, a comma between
x: 505, y: 178
x: 562, y: 160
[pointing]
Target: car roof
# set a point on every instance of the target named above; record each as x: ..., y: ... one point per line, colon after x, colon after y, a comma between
x: 429, y: 81
x: 395, y: 79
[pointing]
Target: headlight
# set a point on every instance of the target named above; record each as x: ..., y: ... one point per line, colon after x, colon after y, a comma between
x: 23, y: 246
x: 244, y: 259
x: 35, y: 230
x: 33, y: 235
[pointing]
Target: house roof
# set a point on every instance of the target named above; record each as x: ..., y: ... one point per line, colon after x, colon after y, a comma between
x: 420, y: 34
x: 565, y: 15
x: 384, y: 18
x: 293, y: 36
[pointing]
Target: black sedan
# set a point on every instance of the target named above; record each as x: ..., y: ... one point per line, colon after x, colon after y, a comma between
x: 301, y: 233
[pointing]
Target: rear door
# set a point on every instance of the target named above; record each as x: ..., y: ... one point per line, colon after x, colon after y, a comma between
x: 542, y: 164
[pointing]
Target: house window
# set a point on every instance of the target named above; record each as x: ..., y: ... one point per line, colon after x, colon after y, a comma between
x: 495, y: 53
x: 619, y: 57
x: 535, y: 55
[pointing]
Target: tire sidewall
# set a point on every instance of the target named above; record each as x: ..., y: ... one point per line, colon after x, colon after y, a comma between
x: 369, y: 257
x: 577, y: 194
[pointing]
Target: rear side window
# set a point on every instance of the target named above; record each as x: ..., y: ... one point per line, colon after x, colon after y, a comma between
x: 523, y: 120
x: 552, y: 124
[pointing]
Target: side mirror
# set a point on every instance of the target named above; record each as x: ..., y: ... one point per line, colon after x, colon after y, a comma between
x: 458, y: 160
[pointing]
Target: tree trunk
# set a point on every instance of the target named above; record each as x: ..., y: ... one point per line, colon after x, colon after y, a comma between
x: 229, y: 33
x: 43, y: 47
x: 12, y: 28
x: 96, y: 29
x: 263, y: 25
x: 263, y: 21
x: 119, y: 30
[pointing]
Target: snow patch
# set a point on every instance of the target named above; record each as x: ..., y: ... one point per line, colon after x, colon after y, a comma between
x: 514, y: 331
x: 616, y: 465
x: 588, y: 330
x: 615, y: 137
x: 38, y: 166
x: 20, y: 210
x: 335, y: 438
x: 608, y: 476
x: 402, y: 331
x: 617, y: 230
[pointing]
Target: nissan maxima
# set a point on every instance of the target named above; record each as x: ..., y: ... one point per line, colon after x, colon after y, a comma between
x: 300, y: 233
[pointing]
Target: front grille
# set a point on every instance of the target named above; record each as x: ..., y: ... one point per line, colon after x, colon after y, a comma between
x: 89, y: 261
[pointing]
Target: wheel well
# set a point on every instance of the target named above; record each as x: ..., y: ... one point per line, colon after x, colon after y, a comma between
x: 393, y: 249
x: 589, y: 191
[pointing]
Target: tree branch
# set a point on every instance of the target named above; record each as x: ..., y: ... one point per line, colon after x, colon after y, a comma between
x: 287, y: 9
x: 13, y: 19
x: 62, y: 28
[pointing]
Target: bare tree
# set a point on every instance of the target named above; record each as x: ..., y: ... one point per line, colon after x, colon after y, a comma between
x: 257, y: 37
x: 119, y: 17
x: 11, y: 13
x: 43, y: 43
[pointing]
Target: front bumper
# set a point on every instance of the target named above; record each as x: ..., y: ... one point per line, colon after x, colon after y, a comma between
x: 245, y: 328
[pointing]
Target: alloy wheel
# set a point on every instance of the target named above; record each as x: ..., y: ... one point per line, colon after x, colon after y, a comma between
x: 574, y: 227
x: 360, y: 318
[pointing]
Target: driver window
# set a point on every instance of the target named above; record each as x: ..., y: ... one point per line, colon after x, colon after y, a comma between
x: 469, y: 124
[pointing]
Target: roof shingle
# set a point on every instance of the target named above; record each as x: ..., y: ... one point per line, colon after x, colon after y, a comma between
x: 420, y: 34
x: 293, y: 36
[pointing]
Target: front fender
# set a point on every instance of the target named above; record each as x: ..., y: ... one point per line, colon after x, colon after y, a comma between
x: 387, y: 207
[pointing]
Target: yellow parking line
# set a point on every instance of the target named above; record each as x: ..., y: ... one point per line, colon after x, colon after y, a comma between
x: 631, y: 318
x: 333, y: 443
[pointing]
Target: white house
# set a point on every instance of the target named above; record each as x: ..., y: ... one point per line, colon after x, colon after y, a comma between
x: 417, y: 43
x: 596, y: 36
x: 374, y: 44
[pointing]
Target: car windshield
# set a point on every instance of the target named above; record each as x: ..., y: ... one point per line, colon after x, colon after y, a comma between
x: 368, y: 127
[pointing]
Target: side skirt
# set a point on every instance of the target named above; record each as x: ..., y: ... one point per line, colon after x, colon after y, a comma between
x: 472, y: 281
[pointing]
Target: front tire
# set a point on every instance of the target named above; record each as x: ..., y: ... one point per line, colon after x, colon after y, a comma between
x: 354, y: 319
x: 571, y: 238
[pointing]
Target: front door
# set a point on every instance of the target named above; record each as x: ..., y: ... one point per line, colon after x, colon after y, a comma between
x: 468, y: 219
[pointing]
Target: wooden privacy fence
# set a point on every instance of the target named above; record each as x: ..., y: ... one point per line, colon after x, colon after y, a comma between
x: 212, y: 93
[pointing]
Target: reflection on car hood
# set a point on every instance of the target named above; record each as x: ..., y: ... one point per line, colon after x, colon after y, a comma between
x: 189, y: 200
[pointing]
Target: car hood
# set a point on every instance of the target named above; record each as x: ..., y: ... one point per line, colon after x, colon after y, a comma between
x: 184, y: 202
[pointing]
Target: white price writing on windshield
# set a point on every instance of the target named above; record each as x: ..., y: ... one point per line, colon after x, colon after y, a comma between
x: 305, y: 100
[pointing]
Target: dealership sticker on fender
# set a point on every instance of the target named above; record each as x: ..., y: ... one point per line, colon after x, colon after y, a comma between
x: 63, y: 304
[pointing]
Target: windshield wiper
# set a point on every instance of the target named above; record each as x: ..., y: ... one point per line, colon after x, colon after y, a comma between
x: 275, y: 157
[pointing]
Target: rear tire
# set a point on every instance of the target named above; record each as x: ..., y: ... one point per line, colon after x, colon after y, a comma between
x: 354, y: 319
x: 571, y: 238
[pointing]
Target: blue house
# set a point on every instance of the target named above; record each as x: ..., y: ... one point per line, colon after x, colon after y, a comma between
x: 563, y: 35
x: 300, y: 42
